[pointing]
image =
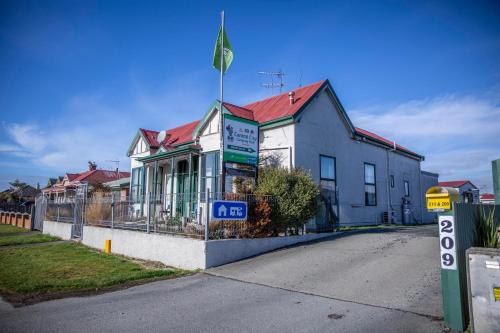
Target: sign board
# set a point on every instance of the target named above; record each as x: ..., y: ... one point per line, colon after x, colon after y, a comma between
x: 241, y: 140
x: 438, y: 204
x: 229, y: 210
x: 447, y: 242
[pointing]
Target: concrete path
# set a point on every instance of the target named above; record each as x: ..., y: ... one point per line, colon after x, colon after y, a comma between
x: 397, y: 269
x: 388, y: 302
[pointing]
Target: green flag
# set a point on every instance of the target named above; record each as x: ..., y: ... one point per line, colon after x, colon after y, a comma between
x: 228, y: 52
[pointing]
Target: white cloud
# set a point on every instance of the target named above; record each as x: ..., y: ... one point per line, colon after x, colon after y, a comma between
x: 459, y: 135
x: 92, y: 128
x: 27, y: 136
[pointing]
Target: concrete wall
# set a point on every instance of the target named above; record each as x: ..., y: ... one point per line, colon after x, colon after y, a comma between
x: 175, y: 251
x: 58, y: 229
x: 224, y: 251
x: 321, y: 130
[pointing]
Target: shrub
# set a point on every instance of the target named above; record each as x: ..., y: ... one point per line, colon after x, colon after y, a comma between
x: 486, y: 234
x: 96, y: 212
x: 295, y: 195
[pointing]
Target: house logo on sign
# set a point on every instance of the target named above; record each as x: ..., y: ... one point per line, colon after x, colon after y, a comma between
x: 229, y: 210
x: 222, y: 211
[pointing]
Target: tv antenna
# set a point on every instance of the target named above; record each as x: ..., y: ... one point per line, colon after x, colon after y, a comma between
x: 117, y: 167
x: 276, y: 80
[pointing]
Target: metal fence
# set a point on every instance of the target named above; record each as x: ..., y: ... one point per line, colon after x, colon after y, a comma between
x: 185, y: 214
x: 17, y: 207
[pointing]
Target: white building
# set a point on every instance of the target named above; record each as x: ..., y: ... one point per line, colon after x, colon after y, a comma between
x: 468, y: 191
x: 364, y: 178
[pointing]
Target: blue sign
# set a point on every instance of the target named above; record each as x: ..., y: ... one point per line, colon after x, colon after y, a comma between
x: 229, y: 210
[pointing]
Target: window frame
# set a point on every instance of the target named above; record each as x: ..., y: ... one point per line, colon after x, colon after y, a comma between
x: 334, y: 179
x: 406, y: 188
x: 136, y: 188
x: 374, y: 184
x: 391, y: 181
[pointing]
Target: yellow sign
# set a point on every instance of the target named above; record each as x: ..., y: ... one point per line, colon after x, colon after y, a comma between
x: 496, y: 293
x: 438, y: 203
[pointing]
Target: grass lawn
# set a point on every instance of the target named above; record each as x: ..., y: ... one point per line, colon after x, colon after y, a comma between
x: 10, y: 229
x: 26, y: 239
x: 29, y: 274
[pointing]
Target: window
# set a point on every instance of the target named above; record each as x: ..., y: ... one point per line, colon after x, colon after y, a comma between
x: 392, y: 181
x: 136, y: 185
x: 210, y: 172
x: 407, y: 188
x: 327, y: 172
x: 370, y: 185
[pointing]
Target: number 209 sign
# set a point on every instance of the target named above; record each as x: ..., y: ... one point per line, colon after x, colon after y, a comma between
x: 447, y: 242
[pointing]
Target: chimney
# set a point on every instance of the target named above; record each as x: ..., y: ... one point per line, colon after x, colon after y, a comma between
x: 92, y: 166
x: 291, y: 97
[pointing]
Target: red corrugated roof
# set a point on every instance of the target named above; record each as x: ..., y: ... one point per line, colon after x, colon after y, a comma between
x: 100, y: 176
x: 175, y: 136
x: 239, y: 111
x: 453, y: 183
x: 72, y: 176
x: 269, y: 109
x: 487, y: 196
x: 376, y: 137
x: 279, y: 106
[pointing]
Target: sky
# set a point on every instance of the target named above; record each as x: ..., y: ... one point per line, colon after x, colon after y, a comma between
x: 78, y: 78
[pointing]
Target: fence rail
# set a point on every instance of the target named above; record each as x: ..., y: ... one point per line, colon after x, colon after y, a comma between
x: 184, y: 214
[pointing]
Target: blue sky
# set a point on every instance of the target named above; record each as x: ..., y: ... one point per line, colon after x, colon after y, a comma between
x: 79, y: 77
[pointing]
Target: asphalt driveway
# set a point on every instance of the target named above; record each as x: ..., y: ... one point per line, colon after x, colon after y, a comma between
x: 397, y: 269
x: 371, y: 282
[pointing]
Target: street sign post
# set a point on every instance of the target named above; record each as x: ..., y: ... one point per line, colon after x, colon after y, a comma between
x: 229, y: 210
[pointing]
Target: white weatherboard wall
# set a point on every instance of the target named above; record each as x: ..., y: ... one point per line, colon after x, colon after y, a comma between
x: 58, y: 229
x: 174, y: 251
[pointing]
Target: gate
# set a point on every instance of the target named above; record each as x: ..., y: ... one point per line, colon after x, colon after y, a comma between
x: 79, y: 212
x: 40, y: 210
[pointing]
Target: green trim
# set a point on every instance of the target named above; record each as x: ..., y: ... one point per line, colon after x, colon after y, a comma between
x: 134, y: 142
x: 242, y: 120
x: 207, y: 115
x: 277, y: 122
x: 172, y: 153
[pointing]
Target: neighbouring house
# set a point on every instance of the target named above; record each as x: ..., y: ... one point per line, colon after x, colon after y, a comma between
x: 487, y: 198
x: 19, y: 197
x: 468, y: 191
x: 119, y: 188
x: 367, y: 179
x: 65, y: 187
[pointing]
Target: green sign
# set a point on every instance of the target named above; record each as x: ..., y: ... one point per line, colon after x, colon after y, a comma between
x: 241, y: 140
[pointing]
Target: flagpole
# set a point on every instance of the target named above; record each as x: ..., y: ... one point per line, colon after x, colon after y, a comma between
x: 221, y: 114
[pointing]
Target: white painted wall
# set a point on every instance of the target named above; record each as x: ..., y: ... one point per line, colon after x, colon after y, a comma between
x: 209, y: 137
x: 224, y: 251
x: 174, y: 251
x: 58, y: 229
x: 278, y: 144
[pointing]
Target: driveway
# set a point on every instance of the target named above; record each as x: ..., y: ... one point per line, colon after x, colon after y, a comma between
x: 398, y: 269
x: 327, y: 286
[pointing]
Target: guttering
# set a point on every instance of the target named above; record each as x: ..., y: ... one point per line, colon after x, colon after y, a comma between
x: 382, y: 144
x: 178, y: 151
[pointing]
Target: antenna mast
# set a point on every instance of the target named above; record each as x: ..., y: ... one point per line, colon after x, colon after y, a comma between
x: 278, y: 76
x: 117, y: 167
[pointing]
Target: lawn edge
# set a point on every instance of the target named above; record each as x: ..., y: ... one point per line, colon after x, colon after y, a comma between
x: 19, y: 300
